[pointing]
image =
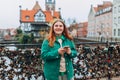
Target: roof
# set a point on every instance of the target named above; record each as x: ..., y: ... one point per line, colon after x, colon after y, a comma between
x: 50, y: 15
x: 104, y: 5
x: 29, y: 13
x: 96, y: 9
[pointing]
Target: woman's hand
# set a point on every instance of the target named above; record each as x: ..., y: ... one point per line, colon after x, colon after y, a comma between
x: 67, y: 50
x: 61, y: 51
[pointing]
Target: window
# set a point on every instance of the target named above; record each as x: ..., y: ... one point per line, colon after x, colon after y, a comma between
x: 50, y: 1
x: 118, y: 20
x: 115, y: 19
x: 114, y: 32
x: 26, y: 27
x: 115, y: 24
x: 118, y: 32
x: 40, y: 17
x: 115, y: 10
x: 27, y: 17
x: 119, y: 9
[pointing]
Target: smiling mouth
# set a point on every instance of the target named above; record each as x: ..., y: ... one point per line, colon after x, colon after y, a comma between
x: 58, y: 29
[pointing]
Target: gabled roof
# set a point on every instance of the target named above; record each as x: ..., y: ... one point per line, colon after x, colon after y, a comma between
x: 56, y: 14
x: 50, y: 15
x: 29, y: 13
x: 96, y: 9
x: 93, y: 10
x: 104, y: 5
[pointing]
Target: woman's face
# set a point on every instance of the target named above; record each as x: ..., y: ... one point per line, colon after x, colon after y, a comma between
x: 58, y: 28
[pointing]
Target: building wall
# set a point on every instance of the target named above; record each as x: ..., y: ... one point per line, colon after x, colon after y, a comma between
x: 82, y: 29
x: 104, y: 25
x: 91, y: 23
x: 116, y: 19
x: 100, y: 21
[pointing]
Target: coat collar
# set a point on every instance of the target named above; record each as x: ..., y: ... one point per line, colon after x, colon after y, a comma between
x: 60, y: 37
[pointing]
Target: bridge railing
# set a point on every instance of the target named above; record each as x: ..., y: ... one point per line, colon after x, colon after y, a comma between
x: 33, y: 59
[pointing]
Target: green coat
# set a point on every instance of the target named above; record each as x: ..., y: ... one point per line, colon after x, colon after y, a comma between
x: 51, y: 59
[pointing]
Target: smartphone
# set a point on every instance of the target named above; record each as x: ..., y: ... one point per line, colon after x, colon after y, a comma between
x: 66, y: 46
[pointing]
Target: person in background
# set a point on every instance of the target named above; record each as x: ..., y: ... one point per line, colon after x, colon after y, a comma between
x: 57, y: 51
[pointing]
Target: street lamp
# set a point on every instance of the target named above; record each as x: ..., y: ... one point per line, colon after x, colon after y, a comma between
x: 20, y: 7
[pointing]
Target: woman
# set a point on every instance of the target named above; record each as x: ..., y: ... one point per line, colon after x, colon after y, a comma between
x: 58, y: 58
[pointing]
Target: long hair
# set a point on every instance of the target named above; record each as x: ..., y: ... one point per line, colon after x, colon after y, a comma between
x: 51, y: 36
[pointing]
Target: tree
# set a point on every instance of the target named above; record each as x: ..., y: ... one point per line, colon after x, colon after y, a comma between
x: 24, y: 39
x: 31, y: 40
x: 19, y: 31
x: 19, y: 34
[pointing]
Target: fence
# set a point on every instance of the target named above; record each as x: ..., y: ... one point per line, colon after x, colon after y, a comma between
x: 20, y: 57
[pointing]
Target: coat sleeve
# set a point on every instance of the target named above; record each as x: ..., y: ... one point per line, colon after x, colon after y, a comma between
x: 47, y: 53
x: 73, y: 50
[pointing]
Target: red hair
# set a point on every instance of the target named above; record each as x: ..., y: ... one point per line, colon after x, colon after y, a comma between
x: 51, y: 36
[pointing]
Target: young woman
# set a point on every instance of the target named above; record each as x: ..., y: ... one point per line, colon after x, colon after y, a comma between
x: 57, y: 51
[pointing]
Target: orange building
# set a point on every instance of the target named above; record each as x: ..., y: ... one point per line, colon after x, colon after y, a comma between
x: 37, y: 21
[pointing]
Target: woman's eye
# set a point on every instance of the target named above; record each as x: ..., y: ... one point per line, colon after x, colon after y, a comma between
x: 58, y: 25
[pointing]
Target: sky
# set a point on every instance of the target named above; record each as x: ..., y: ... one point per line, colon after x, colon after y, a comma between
x: 70, y: 9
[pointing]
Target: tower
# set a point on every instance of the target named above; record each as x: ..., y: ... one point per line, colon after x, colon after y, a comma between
x: 50, y: 5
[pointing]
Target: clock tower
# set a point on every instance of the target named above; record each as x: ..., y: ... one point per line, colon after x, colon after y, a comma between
x: 50, y: 5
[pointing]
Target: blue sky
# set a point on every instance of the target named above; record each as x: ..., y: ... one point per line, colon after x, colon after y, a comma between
x: 73, y: 9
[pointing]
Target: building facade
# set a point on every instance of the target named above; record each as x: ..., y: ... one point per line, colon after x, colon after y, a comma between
x: 100, y: 22
x: 104, y: 21
x: 37, y: 20
x: 116, y: 19
x: 91, y: 22
x: 82, y: 29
